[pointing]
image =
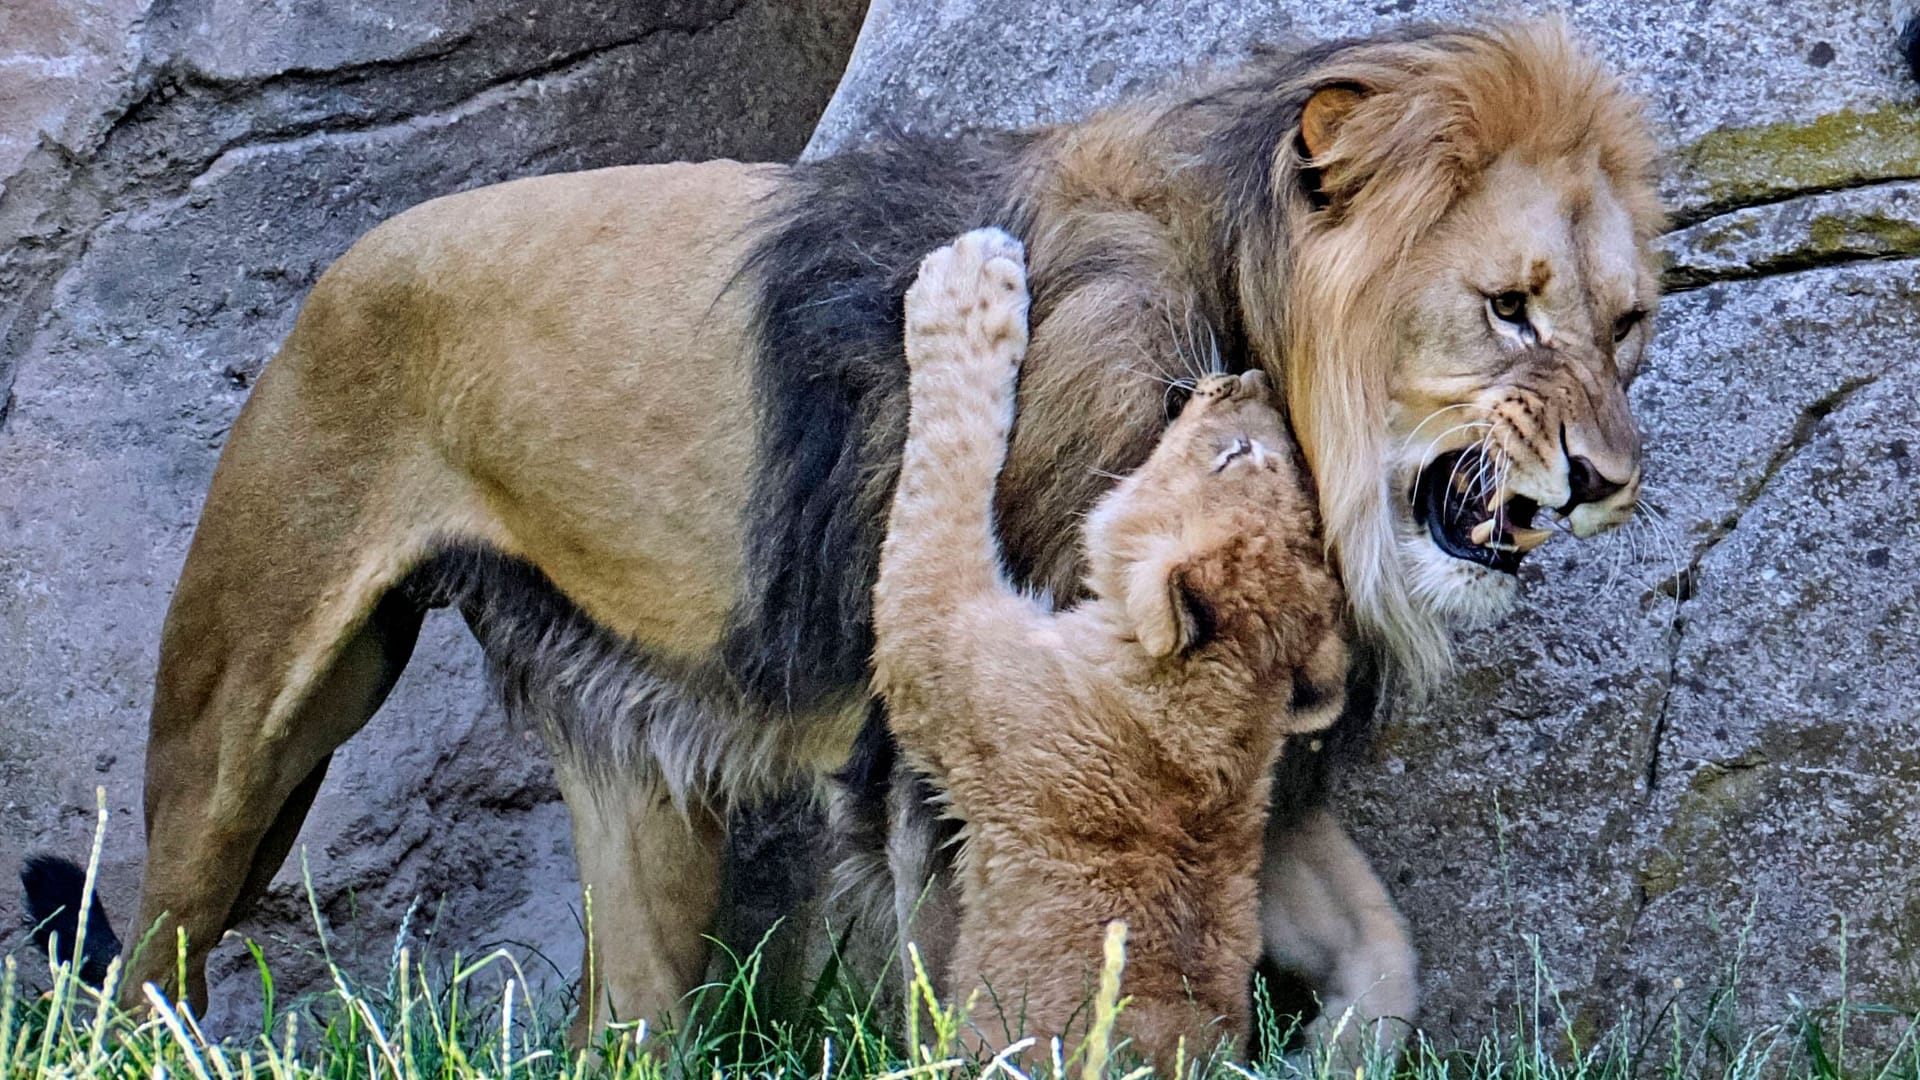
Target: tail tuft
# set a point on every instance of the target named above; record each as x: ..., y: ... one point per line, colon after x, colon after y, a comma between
x: 54, y: 887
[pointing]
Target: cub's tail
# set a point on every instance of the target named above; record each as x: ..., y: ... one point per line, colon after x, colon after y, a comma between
x: 54, y: 888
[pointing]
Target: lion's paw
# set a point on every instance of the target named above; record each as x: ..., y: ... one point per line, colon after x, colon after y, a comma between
x: 969, y: 303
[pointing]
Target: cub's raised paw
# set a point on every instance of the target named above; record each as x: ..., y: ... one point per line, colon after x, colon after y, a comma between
x: 969, y: 302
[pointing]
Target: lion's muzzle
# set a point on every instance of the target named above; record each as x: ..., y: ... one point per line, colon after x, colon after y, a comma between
x: 1601, y: 455
x: 1596, y: 502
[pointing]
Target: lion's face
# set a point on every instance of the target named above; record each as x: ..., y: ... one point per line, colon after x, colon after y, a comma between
x: 1467, y: 285
x: 1525, y: 316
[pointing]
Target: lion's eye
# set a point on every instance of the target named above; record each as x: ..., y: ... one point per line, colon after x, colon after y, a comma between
x: 1624, y: 325
x: 1510, y: 307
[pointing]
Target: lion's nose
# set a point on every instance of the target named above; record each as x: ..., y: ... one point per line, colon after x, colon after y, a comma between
x: 1586, y: 484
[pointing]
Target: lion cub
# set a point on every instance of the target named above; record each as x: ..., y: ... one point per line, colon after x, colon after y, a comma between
x: 1109, y: 761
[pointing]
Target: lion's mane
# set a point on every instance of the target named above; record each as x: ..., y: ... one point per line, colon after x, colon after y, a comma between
x: 1197, y: 207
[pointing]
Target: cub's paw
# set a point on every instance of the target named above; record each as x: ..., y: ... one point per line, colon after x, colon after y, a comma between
x: 969, y: 303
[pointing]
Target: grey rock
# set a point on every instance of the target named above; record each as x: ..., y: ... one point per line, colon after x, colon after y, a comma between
x: 1785, y: 767
x: 1703, y: 725
x: 1740, y: 75
x: 190, y: 170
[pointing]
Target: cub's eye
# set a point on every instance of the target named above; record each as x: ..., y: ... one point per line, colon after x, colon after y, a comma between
x: 1624, y: 325
x: 1509, y: 307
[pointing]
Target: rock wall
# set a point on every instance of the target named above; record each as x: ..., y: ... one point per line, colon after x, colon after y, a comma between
x: 1698, y: 730
x: 174, y: 174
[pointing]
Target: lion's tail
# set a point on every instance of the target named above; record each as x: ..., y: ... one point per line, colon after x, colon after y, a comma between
x: 54, y: 888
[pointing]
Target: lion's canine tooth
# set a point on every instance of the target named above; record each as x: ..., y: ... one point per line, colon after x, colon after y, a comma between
x: 1482, y: 533
x: 1498, y: 500
x: 1528, y: 539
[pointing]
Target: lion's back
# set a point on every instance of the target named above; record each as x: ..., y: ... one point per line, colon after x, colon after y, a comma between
x: 560, y: 364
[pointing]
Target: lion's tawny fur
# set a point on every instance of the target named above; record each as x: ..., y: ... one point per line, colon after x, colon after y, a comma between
x: 578, y: 373
x: 1112, y: 760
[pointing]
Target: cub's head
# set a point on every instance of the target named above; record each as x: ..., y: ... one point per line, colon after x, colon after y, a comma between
x: 1213, y: 541
x: 1450, y: 266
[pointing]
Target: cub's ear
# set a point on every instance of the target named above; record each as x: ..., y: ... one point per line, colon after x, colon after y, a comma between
x: 1169, y: 614
x: 1325, y: 111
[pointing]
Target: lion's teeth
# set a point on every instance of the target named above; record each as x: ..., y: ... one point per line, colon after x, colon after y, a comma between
x: 1482, y: 533
x: 1499, y: 499
x: 1528, y: 539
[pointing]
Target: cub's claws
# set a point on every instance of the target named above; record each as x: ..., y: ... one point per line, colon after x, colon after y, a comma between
x: 975, y: 287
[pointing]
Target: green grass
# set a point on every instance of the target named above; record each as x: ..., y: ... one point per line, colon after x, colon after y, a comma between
x: 421, y: 1019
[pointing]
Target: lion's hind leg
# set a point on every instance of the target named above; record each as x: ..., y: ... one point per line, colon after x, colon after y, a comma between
x: 260, y: 681
x: 290, y: 623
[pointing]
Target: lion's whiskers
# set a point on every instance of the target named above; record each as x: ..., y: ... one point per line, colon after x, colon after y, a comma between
x: 1645, y: 539
x: 1438, y: 413
x: 1659, y: 527
x: 1503, y: 470
x: 1180, y: 335
x: 1187, y: 350
x: 1159, y: 377
x: 1491, y: 465
x: 1480, y: 461
x: 1173, y: 385
x: 1426, y: 455
x: 1616, y: 565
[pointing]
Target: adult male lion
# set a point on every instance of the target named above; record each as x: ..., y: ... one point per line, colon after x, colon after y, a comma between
x: 641, y: 425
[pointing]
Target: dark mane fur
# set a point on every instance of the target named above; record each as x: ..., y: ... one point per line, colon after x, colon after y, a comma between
x: 848, y: 235
x: 841, y: 244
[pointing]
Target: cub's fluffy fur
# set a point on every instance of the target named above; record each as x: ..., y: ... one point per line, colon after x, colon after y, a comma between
x: 1111, y: 761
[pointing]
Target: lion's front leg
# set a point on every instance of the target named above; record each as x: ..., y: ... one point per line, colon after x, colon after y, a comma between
x: 652, y: 869
x: 1325, y: 915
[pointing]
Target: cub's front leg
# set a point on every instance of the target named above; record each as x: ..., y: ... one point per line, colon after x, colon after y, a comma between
x: 966, y: 319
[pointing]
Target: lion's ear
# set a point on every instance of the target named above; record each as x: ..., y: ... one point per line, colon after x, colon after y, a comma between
x: 1325, y: 111
x: 1168, y: 614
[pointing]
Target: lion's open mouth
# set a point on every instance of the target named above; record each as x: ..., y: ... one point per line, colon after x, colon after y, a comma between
x: 1469, y: 518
